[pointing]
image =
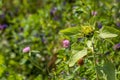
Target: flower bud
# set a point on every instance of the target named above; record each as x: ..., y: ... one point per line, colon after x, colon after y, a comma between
x: 53, y: 11
x: 94, y: 13
x: 99, y: 25
x: 66, y: 43
x: 118, y: 24
x: 116, y: 46
x: 3, y: 26
x: 26, y: 49
x: 80, y: 61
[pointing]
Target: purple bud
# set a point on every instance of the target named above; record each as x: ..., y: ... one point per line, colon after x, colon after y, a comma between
x: 2, y: 16
x: 26, y: 49
x: 64, y: 2
x: 94, y: 13
x: 56, y: 18
x: 99, y: 25
x: 118, y: 24
x: 79, y: 39
x: 116, y: 46
x: 53, y: 11
x: 3, y: 26
x: 66, y: 43
x: 43, y: 38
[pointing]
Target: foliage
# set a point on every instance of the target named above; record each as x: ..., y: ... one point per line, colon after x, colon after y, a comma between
x: 32, y: 33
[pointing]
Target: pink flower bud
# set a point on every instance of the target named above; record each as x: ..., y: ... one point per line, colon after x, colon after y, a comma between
x: 116, y: 46
x: 94, y: 13
x: 66, y: 43
x: 26, y: 49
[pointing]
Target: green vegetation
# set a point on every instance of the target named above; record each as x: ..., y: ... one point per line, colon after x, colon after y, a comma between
x: 59, y: 40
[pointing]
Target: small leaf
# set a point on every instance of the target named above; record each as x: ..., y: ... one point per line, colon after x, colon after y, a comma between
x: 107, y: 35
x: 77, y: 56
x: 111, y: 30
x: 109, y: 70
x: 89, y: 45
x: 70, y: 31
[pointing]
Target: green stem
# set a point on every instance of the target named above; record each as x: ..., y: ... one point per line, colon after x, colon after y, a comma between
x: 94, y: 55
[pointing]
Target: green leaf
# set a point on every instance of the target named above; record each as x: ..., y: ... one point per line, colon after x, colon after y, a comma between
x: 111, y: 30
x: 70, y: 31
x: 99, y: 70
x: 77, y: 56
x: 89, y: 45
x: 109, y: 70
x: 107, y: 35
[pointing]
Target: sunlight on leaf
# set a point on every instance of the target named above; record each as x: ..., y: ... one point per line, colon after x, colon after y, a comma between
x: 77, y: 56
x: 70, y: 31
x: 89, y: 45
x: 107, y: 35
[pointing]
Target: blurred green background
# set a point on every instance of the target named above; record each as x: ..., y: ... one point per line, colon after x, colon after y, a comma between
x: 36, y: 23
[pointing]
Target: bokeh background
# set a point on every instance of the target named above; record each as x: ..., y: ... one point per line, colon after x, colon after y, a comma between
x: 36, y: 23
